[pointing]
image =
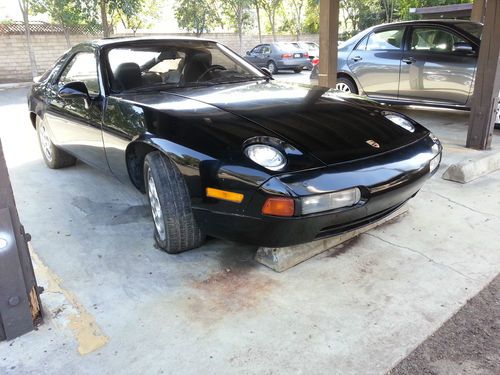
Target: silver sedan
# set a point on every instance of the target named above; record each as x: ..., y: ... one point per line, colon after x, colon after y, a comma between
x: 415, y: 62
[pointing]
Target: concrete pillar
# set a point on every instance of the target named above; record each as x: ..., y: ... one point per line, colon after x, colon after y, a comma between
x: 328, y: 40
x: 487, y: 84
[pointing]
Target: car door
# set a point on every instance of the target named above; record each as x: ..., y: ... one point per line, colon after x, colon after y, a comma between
x: 75, y: 123
x: 437, y: 68
x: 376, y: 60
x: 254, y: 55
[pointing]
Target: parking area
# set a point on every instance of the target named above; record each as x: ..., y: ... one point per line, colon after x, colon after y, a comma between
x: 359, y: 308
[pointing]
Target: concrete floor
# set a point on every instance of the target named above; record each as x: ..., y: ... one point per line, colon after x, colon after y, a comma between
x: 115, y: 304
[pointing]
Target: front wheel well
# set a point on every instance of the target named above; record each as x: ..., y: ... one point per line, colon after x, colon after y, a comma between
x: 347, y: 76
x: 135, y: 155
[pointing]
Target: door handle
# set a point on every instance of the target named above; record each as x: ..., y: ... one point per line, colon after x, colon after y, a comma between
x: 357, y: 58
x: 409, y: 60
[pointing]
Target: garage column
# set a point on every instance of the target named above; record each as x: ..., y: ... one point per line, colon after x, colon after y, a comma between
x: 487, y: 84
x: 328, y: 41
x: 478, y: 8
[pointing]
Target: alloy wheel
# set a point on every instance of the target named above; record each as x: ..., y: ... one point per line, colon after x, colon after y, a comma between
x: 45, y: 141
x: 156, y: 210
x: 341, y: 86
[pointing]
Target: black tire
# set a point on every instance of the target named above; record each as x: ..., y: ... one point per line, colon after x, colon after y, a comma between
x: 298, y: 70
x: 346, y: 83
x: 54, y: 157
x: 174, y: 225
x: 273, y: 68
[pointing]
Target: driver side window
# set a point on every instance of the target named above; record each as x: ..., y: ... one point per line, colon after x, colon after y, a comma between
x: 256, y: 49
x: 83, y: 68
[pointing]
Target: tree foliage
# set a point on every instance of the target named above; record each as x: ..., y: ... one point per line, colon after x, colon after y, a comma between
x: 238, y: 13
x: 198, y: 16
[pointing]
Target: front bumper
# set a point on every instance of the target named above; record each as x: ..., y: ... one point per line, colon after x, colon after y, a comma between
x: 386, y: 182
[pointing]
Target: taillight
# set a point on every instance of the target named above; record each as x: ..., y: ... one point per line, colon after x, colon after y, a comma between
x: 306, y: 54
x: 277, y: 206
x: 287, y: 56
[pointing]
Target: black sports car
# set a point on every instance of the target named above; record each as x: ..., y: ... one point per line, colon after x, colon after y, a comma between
x: 223, y: 150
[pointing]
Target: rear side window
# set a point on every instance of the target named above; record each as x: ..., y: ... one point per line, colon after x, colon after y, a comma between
x: 434, y: 39
x: 83, y: 68
x: 385, y: 40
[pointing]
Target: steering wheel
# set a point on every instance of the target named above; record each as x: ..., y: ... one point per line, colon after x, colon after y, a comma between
x: 210, y: 69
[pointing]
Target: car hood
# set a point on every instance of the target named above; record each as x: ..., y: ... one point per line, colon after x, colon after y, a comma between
x: 329, y: 125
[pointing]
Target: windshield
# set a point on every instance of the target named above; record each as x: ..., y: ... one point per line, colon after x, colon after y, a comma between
x: 475, y: 29
x: 151, y: 65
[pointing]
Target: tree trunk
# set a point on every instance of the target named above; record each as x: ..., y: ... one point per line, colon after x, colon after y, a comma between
x: 104, y: 19
x: 66, y: 35
x: 23, y: 4
x: 258, y: 21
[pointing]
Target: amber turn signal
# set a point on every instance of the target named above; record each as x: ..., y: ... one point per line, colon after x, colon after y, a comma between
x: 224, y: 195
x: 279, y: 207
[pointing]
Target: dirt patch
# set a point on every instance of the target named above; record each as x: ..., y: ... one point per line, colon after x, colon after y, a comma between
x: 343, y: 247
x: 466, y: 344
x: 239, y: 286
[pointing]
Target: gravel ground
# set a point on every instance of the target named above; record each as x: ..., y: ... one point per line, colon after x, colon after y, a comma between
x: 469, y: 343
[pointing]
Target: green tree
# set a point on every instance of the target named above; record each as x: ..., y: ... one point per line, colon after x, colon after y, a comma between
x: 149, y: 12
x: 270, y: 8
x: 293, y: 13
x: 239, y: 16
x: 24, y: 6
x: 198, y: 16
x: 311, y: 21
x: 65, y: 13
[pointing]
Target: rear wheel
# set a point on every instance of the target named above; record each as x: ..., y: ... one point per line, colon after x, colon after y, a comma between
x: 54, y: 157
x: 346, y: 85
x: 175, y: 227
x: 273, y: 68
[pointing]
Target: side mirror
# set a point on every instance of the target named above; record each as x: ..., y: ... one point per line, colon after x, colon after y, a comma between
x: 267, y: 72
x: 248, y: 53
x: 73, y: 90
x: 462, y: 47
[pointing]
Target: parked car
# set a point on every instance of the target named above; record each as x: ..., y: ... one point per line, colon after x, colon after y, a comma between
x: 220, y: 148
x: 278, y: 56
x: 417, y: 62
x: 312, y: 49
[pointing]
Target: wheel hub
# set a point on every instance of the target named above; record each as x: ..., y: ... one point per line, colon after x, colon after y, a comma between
x: 342, y: 87
x: 45, y: 142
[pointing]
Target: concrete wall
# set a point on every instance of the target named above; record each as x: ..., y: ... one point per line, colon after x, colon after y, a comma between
x: 15, y: 65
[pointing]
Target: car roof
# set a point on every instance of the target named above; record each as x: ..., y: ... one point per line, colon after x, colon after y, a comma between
x: 437, y: 21
x: 125, y: 40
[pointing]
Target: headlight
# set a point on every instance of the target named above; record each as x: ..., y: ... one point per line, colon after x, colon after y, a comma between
x: 330, y: 201
x: 399, y: 120
x: 266, y: 156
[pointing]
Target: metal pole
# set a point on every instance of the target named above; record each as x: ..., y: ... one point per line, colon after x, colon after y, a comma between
x: 328, y: 42
x: 20, y: 306
x: 487, y: 83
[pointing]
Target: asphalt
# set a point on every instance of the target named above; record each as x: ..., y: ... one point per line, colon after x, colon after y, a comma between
x: 115, y: 304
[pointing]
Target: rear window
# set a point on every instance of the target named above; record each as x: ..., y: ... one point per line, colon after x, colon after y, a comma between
x: 474, y: 29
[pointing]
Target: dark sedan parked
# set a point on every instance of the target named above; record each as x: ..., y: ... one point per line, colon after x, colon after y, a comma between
x: 278, y: 56
x: 418, y: 62
x: 221, y: 149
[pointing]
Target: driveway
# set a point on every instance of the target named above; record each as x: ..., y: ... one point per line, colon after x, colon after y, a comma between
x: 115, y: 304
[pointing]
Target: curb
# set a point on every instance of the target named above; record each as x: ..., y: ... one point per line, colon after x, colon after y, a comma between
x: 15, y: 85
x: 473, y: 167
